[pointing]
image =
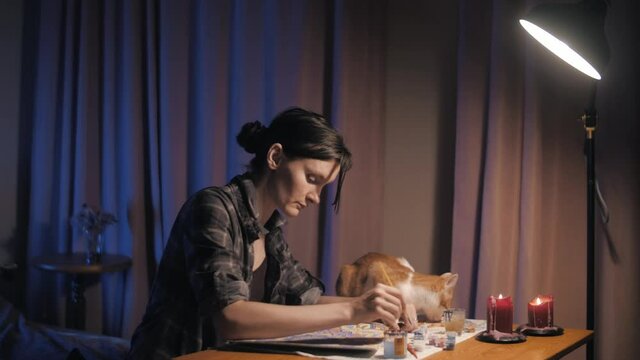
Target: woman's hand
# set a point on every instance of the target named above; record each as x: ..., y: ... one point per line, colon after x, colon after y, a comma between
x: 410, y: 318
x: 382, y: 302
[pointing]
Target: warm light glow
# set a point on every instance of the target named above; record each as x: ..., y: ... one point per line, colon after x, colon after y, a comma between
x: 538, y: 301
x: 500, y: 296
x: 560, y: 49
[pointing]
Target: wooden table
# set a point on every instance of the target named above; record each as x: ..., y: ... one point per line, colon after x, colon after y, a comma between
x: 536, y: 347
x: 75, y: 265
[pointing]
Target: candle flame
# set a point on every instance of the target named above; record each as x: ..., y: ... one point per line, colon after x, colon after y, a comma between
x: 538, y: 301
x: 500, y: 296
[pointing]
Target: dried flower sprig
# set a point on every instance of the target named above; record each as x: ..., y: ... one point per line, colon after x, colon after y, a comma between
x: 94, y: 220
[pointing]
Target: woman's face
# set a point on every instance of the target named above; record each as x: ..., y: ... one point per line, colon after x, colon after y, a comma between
x: 295, y: 183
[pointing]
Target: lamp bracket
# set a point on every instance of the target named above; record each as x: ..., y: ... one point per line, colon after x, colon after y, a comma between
x: 589, y: 119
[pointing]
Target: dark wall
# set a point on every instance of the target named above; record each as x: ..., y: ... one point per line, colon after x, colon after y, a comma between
x: 10, y: 45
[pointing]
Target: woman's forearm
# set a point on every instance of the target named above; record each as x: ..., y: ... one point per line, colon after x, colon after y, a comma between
x: 334, y: 299
x: 256, y: 320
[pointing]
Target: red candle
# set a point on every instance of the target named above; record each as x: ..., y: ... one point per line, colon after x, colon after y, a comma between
x: 500, y: 314
x: 541, y: 311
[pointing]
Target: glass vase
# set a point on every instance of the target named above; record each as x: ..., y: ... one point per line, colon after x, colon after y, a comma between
x: 93, y: 246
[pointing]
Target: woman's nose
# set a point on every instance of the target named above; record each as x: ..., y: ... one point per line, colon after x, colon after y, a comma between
x: 313, y: 197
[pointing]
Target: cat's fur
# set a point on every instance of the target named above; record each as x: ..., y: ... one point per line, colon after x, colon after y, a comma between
x: 430, y: 294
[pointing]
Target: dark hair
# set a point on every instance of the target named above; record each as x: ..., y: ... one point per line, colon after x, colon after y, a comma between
x: 302, y: 134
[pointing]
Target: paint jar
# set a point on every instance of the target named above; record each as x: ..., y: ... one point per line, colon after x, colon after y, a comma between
x: 431, y: 339
x: 420, y: 338
x: 450, y: 342
x: 395, y: 344
x: 436, y: 336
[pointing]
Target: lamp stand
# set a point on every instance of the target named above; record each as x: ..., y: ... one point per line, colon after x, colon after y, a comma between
x: 589, y: 118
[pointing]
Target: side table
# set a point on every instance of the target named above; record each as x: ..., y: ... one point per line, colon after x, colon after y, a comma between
x: 76, y: 266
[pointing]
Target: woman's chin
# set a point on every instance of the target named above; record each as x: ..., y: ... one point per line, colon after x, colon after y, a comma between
x: 291, y: 211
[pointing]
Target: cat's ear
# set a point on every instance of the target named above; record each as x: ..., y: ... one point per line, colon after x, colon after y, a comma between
x: 450, y: 280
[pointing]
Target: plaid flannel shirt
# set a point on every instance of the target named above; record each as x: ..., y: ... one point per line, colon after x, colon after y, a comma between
x: 207, y: 264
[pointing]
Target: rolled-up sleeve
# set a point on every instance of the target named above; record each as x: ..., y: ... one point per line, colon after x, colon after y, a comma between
x: 311, y: 296
x: 213, y: 255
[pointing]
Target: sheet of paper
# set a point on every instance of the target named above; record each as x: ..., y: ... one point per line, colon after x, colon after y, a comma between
x: 366, y: 333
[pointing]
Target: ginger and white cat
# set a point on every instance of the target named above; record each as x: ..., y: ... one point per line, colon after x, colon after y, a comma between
x: 430, y: 294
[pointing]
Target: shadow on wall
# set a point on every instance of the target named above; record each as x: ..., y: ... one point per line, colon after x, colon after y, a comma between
x: 8, y: 268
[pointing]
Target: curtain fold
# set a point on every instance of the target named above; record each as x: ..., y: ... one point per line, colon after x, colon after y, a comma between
x: 357, y: 110
x: 499, y: 232
x: 471, y: 139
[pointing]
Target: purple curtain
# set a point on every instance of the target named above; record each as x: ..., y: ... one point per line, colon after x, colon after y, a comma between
x: 136, y: 105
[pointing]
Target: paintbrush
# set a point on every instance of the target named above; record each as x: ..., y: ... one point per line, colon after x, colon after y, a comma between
x: 387, y: 279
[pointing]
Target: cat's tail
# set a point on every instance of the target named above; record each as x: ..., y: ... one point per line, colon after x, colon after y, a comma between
x: 344, y: 284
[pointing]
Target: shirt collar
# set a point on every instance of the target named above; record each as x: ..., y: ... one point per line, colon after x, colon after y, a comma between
x: 249, y: 214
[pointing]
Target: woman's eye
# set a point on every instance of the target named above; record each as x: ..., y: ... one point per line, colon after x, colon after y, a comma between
x: 311, y: 179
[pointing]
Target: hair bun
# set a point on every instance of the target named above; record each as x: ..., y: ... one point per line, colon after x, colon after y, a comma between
x: 250, y: 136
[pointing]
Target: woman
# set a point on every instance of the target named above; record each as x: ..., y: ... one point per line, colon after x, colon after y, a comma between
x: 226, y: 271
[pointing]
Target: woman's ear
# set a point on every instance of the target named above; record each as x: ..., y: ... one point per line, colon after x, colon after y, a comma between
x: 275, y: 154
